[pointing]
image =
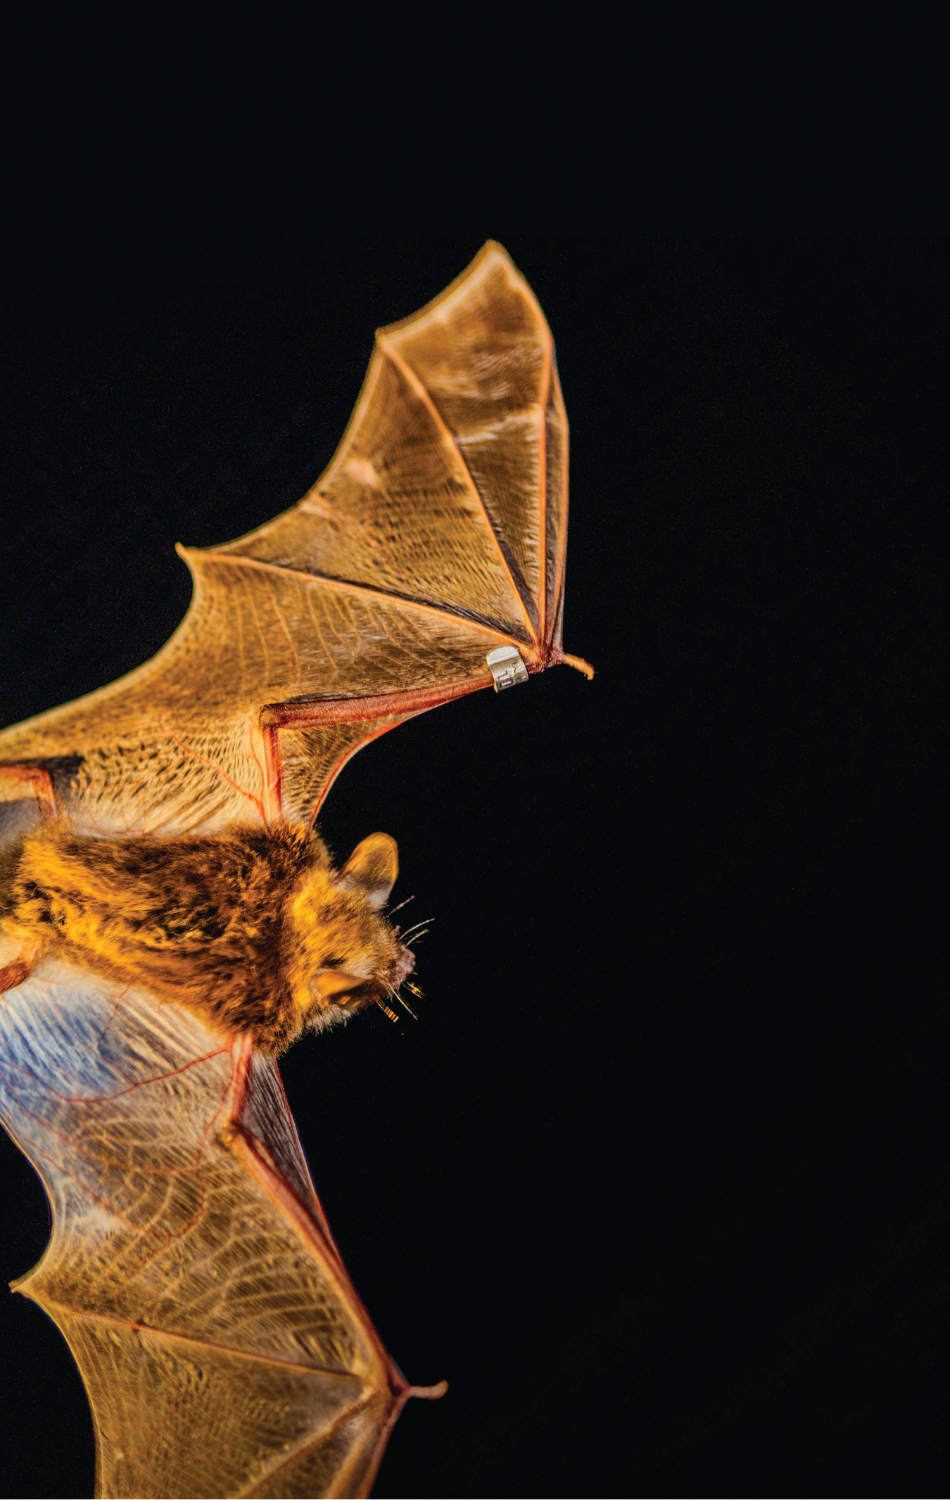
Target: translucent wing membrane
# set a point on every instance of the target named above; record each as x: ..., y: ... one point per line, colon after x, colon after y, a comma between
x: 484, y: 353
x: 436, y: 535
x: 190, y: 1269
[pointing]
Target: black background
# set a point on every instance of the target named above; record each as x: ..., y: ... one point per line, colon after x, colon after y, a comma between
x: 657, y: 1180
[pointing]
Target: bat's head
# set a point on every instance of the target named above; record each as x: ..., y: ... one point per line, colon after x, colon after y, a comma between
x: 341, y: 952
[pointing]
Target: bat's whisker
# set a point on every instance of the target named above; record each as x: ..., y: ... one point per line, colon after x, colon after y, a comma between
x: 416, y: 939
x: 396, y: 996
x: 390, y: 1013
x: 401, y: 905
x: 425, y: 921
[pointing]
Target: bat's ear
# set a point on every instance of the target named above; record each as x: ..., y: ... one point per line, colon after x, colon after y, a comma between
x: 372, y: 868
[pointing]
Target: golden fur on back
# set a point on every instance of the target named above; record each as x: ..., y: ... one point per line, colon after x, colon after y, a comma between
x: 238, y: 926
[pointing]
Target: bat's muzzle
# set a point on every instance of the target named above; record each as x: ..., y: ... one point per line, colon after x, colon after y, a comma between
x: 405, y: 964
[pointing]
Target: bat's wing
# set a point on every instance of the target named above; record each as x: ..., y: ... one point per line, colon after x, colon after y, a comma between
x: 191, y: 1270
x: 434, y: 541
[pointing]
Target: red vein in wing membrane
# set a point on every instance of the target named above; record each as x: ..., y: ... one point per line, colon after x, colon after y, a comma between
x: 203, y: 759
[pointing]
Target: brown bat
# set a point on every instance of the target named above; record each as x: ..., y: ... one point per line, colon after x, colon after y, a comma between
x: 171, y: 920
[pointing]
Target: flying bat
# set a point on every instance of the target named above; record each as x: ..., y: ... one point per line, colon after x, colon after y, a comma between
x: 172, y: 921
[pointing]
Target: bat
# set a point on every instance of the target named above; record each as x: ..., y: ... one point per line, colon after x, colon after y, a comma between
x: 171, y: 920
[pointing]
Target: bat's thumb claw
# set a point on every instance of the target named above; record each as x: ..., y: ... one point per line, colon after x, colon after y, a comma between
x: 579, y: 665
x: 429, y: 1392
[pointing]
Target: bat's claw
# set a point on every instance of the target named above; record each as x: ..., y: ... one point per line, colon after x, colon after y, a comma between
x: 429, y: 1392
x: 579, y: 664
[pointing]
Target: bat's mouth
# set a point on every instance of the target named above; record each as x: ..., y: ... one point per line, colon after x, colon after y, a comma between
x: 344, y: 1002
x: 342, y: 991
x: 335, y: 987
x: 339, y: 994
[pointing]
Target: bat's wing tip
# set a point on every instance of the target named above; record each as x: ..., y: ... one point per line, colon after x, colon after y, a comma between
x: 491, y: 250
x: 493, y: 247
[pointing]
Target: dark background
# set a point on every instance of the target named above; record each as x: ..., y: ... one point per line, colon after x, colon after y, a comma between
x: 657, y: 1181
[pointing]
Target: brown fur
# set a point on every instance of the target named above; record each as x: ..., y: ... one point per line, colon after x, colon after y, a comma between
x: 237, y: 926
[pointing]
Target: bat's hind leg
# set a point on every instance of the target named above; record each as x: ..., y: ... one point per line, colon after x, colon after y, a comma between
x: 19, y: 951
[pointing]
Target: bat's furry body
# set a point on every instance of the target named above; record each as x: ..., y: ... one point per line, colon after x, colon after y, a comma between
x: 254, y: 929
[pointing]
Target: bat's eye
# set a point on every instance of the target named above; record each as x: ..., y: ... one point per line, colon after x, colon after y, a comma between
x: 332, y: 962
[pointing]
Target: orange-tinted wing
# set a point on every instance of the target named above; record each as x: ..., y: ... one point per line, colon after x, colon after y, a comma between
x: 222, y: 1346
x: 436, y: 537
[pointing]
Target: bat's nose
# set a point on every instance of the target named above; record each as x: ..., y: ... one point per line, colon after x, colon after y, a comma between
x: 405, y: 964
